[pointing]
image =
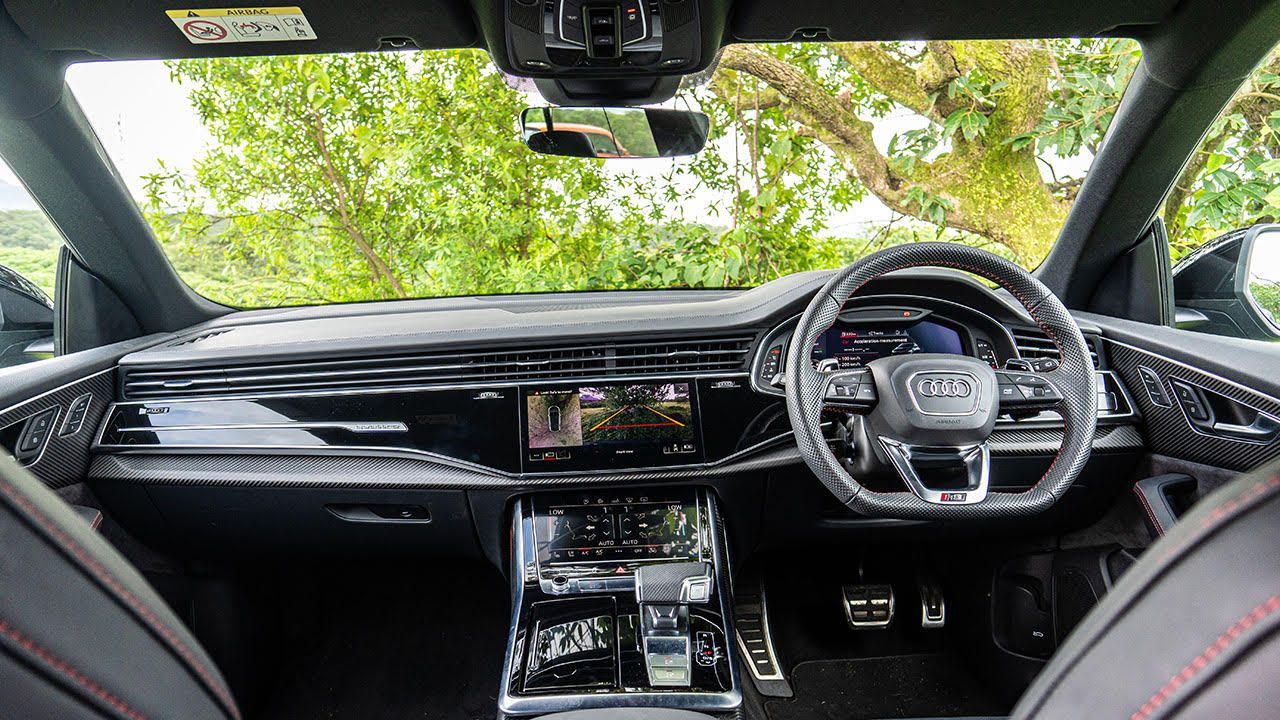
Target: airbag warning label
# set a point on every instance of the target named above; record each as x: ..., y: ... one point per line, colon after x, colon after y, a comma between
x: 238, y: 25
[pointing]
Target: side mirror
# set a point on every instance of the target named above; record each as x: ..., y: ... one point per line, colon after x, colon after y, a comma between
x: 600, y: 132
x: 1260, y: 278
x: 1231, y: 285
x: 26, y: 320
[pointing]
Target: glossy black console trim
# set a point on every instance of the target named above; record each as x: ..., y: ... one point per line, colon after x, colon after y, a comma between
x: 523, y: 556
x: 351, y: 423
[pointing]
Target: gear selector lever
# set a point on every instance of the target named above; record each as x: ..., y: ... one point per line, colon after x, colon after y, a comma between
x: 664, y: 592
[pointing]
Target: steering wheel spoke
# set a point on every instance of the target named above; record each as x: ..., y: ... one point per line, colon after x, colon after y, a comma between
x: 850, y: 391
x: 964, y: 471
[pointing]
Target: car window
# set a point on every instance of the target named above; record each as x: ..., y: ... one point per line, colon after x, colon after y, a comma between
x: 1226, y: 259
x: 336, y: 178
x: 29, y: 246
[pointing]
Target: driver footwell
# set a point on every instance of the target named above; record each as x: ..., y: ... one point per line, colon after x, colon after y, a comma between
x: 904, y: 670
x: 900, y: 686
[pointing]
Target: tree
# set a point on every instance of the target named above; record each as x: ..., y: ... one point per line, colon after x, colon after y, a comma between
x: 1230, y: 181
x: 992, y: 110
x: 351, y: 177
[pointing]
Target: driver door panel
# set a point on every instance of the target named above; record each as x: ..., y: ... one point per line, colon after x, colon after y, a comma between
x: 1204, y: 399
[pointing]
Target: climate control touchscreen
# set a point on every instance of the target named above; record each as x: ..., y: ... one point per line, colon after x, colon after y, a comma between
x: 580, y: 529
x: 610, y: 427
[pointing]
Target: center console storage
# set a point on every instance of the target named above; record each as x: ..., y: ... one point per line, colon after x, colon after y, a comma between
x: 584, y: 636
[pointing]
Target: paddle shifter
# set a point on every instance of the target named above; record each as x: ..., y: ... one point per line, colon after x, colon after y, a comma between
x: 665, y: 591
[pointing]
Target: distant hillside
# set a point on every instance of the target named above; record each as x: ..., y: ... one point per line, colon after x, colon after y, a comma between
x: 29, y: 245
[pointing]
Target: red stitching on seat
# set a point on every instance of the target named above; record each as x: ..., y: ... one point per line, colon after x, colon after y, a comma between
x: 1203, y: 659
x: 1146, y: 505
x: 107, y: 578
x: 63, y: 667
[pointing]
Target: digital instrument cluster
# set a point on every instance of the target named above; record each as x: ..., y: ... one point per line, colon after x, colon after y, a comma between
x: 853, y: 345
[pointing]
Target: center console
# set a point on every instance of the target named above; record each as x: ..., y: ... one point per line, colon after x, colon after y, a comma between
x: 621, y: 598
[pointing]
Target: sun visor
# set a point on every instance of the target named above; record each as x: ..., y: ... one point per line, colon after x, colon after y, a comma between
x: 119, y: 29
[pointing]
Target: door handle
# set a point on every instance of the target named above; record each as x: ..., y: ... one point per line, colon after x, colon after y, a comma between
x: 1264, y: 428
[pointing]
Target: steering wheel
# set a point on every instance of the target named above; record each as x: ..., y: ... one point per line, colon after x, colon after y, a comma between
x: 927, y: 417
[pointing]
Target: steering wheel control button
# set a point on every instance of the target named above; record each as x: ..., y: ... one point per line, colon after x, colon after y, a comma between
x: 1025, y: 391
x: 1044, y: 365
x: 851, y: 389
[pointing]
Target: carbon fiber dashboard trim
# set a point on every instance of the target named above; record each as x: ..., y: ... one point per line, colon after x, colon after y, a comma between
x: 377, y: 471
x: 1169, y: 432
x: 65, y: 458
x: 387, y: 471
x: 1045, y: 441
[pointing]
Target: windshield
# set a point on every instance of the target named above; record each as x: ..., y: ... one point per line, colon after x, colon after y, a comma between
x: 319, y: 179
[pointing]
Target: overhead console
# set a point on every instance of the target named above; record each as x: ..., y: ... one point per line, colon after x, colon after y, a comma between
x: 575, y: 40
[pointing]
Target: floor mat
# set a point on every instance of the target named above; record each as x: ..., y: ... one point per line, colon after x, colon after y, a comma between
x: 903, y: 686
x: 403, y: 649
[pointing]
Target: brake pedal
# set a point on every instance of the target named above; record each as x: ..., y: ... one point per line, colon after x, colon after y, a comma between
x: 867, y: 607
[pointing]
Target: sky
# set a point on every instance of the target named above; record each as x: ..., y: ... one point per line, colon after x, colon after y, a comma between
x: 141, y: 117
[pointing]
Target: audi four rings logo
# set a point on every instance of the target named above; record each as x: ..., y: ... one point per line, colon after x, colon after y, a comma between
x: 945, y: 388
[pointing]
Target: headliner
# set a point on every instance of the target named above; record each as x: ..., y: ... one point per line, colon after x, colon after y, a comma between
x: 121, y: 29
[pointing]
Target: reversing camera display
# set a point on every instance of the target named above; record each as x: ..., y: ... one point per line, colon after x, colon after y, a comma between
x: 612, y: 414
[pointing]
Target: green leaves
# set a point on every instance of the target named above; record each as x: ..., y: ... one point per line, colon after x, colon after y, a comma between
x: 933, y: 208
x: 968, y: 121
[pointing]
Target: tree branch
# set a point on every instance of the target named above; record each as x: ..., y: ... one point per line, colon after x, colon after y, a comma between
x: 357, y: 235
x: 837, y: 127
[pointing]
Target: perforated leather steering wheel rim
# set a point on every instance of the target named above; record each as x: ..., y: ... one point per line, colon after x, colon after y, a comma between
x: 805, y: 386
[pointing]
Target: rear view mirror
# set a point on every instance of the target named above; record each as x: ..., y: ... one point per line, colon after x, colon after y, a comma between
x: 623, y: 132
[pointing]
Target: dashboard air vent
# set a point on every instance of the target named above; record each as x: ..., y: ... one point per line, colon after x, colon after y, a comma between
x: 197, y: 338
x: 1033, y: 343
x: 670, y: 358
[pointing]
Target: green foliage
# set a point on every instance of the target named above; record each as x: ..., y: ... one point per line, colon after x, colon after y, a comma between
x: 1088, y: 80
x: 1231, y: 181
x: 29, y: 245
x: 366, y: 176
x: 1267, y: 295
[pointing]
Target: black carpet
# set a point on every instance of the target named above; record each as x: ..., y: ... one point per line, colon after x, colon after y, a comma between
x: 392, y: 644
x: 903, y: 686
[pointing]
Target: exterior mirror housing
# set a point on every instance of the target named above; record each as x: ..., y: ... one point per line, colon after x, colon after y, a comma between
x: 1231, y: 286
x: 26, y: 320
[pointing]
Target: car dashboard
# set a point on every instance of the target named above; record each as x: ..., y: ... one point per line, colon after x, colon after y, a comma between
x: 606, y: 406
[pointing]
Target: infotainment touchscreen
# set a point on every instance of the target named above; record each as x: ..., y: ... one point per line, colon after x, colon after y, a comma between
x: 610, y: 426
